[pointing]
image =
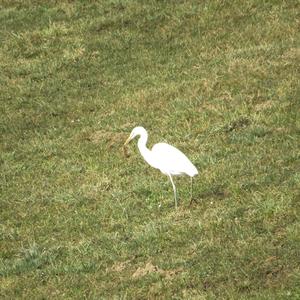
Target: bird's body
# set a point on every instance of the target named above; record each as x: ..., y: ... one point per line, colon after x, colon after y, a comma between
x: 168, y: 159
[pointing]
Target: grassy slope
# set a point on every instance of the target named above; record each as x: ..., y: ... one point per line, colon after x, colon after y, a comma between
x: 218, y: 79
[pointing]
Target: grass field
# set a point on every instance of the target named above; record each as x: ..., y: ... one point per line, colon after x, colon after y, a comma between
x: 217, y: 79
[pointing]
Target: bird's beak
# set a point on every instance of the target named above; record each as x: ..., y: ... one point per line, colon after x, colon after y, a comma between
x: 128, y: 140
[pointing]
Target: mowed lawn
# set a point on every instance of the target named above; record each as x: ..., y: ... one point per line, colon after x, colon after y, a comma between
x: 80, y: 219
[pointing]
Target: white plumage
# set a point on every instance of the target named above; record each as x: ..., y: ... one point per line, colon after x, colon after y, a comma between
x: 168, y: 159
x: 172, y: 161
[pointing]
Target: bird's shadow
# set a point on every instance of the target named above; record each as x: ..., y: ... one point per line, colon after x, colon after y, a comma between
x: 217, y: 192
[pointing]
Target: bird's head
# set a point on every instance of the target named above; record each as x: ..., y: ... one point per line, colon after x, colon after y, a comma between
x: 137, y: 131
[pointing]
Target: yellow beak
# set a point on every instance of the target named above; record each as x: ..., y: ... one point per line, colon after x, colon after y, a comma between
x: 127, y: 141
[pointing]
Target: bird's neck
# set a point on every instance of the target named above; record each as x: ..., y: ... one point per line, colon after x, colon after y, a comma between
x: 142, y: 144
x: 145, y: 152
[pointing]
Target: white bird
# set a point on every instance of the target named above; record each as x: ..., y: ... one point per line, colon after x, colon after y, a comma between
x: 168, y: 159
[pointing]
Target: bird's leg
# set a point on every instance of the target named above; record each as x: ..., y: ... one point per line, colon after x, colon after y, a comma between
x: 191, y: 191
x: 174, y: 189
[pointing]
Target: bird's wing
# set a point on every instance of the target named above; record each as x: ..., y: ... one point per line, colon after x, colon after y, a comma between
x: 172, y: 161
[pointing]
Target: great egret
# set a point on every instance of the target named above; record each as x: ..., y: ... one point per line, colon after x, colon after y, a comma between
x: 168, y: 159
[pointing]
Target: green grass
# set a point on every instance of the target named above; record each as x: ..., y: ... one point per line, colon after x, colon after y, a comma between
x: 217, y: 79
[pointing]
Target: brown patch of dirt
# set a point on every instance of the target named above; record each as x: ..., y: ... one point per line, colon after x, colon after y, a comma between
x: 264, y: 105
x: 150, y: 268
x: 125, y: 151
x: 118, y: 266
x: 237, y: 124
x: 293, y: 53
x: 110, y: 138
